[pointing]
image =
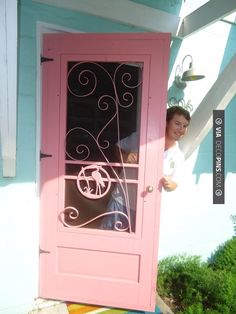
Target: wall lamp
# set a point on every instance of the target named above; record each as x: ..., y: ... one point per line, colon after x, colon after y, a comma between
x: 181, y: 78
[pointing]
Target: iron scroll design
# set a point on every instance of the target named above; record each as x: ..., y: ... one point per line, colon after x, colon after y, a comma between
x: 87, y: 85
x: 73, y: 214
x: 180, y: 102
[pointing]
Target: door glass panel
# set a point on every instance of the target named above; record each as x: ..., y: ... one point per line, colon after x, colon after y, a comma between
x: 102, y: 145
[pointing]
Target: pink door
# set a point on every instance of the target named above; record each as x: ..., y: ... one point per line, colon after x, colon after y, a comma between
x: 100, y: 210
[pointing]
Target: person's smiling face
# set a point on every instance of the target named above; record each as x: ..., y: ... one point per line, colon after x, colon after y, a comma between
x: 176, y: 127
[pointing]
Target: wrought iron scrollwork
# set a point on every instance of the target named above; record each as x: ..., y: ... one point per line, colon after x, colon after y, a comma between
x: 71, y: 214
x: 93, y: 181
x: 180, y: 102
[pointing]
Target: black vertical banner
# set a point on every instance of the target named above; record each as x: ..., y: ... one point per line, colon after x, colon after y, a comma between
x: 218, y: 157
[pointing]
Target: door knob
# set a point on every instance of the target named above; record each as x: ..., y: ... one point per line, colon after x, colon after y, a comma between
x: 149, y: 189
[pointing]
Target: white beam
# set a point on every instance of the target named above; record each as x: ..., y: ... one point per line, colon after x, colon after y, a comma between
x: 123, y: 11
x: 8, y: 85
x: 218, y: 97
x: 209, y: 13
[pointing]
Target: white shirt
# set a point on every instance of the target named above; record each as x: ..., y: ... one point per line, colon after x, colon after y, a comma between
x: 173, y: 162
x: 173, y: 165
x: 129, y: 143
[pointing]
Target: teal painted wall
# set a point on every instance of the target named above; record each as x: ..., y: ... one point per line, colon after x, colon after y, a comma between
x: 169, y: 6
x: 30, y: 13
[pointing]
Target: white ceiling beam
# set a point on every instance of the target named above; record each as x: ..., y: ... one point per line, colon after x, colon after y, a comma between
x: 209, y: 13
x: 122, y: 11
x: 8, y: 85
x: 218, y: 98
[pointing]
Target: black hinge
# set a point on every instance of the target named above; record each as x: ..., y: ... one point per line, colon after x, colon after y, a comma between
x: 45, y: 59
x: 43, y: 155
x: 43, y: 251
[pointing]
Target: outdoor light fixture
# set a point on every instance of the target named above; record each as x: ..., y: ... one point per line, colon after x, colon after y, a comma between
x: 189, y: 75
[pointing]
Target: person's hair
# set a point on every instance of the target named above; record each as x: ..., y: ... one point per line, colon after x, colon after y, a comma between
x: 177, y: 110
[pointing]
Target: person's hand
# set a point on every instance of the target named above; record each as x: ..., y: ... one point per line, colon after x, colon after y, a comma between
x: 132, y: 158
x: 168, y: 184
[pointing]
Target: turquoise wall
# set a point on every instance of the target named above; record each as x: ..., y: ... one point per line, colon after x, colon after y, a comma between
x: 169, y: 6
x: 30, y: 13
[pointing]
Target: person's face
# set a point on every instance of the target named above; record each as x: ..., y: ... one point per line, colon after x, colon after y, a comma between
x: 176, y: 127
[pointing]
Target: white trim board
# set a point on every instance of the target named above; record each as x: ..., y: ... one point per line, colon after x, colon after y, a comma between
x: 124, y: 12
x: 43, y: 28
x: 8, y: 85
x: 209, y: 13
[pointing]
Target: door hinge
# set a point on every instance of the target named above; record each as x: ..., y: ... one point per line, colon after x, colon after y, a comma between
x: 43, y: 155
x: 45, y: 59
x: 43, y: 251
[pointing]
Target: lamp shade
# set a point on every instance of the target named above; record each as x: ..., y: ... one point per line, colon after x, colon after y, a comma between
x: 191, y: 75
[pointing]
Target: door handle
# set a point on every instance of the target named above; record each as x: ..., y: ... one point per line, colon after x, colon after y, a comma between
x: 149, y: 189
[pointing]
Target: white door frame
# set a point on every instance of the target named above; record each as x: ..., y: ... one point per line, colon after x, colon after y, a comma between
x: 42, y: 28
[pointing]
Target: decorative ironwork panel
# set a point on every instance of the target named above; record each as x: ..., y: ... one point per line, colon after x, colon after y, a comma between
x: 102, y: 145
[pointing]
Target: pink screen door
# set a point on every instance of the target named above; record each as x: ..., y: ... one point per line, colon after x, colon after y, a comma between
x: 100, y: 201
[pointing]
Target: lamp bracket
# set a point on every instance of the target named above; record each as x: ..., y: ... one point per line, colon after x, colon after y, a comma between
x: 179, y: 83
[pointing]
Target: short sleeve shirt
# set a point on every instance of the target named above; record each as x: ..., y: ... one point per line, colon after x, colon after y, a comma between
x: 130, y: 143
x: 173, y: 163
